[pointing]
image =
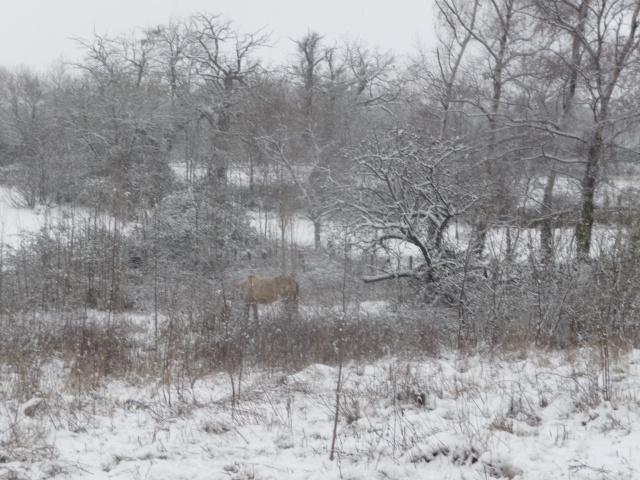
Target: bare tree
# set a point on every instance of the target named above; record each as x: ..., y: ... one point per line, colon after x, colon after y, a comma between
x: 454, y: 43
x: 558, y: 18
x: 25, y: 97
x: 406, y: 189
x: 224, y: 61
x: 499, y: 35
x: 174, y: 45
x: 610, y: 44
x: 336, y: 84
x: 311, y: 56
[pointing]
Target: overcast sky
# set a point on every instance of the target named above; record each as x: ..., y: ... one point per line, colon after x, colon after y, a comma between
x: 38, y: 32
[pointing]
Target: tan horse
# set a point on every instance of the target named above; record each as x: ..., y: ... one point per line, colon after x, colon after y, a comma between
x: 255, y: 290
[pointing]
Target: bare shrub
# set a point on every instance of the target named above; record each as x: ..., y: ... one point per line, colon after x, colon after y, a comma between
x: 23, y: 439
x: 97, y: 350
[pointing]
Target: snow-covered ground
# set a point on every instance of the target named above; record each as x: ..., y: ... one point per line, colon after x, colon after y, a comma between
x: 13, y: 220
x: 524, y: 241
x: 613, y: 190
x: 298, y: 229
x: 16, y: 221
x: 535, y: 415
x: 532, y: 415
x: 240, y: 177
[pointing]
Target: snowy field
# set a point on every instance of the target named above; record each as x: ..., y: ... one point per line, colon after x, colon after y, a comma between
x: 524, y: 241
x: 532, y: 416
x: 615, y: 190
x: 14, y: 221
x: 299, y: 231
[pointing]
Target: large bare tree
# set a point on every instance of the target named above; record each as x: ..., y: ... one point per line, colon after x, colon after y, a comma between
x: 610, y: 43
x: 406, y: 188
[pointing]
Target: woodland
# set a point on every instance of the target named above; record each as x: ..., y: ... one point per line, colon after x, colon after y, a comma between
x: 478, y: 195
x: 482, y: 189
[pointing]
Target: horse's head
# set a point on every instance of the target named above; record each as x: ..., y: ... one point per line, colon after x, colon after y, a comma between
x: 243, y: 288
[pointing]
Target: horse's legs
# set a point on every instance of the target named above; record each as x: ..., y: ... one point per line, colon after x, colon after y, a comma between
x: 255, y: 311
x: 291, y: 307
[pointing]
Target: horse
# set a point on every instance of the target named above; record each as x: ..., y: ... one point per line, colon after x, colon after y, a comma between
x: 255, y: 290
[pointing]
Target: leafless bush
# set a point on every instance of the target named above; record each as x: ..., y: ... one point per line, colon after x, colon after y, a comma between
x: 22, y: 438
x: 97, y: 350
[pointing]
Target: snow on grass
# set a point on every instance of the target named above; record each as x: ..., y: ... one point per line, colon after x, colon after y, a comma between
x: 535, y: 416
x: 16, y: 221
x: 298, y: 229
x: 610, y: 191
x: 239, y: 176
x: 524, y: 241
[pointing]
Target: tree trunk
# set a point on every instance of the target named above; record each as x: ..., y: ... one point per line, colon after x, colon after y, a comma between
x: 317, y: 229
x: 547, y: 226
x: 450, y: 80
x: 584, y: 228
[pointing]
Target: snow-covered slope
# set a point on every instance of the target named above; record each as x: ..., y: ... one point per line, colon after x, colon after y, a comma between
x: 533, y: 416
x: 14, y: 221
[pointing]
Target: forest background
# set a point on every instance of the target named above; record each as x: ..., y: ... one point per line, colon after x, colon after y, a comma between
x: 482, y: 192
